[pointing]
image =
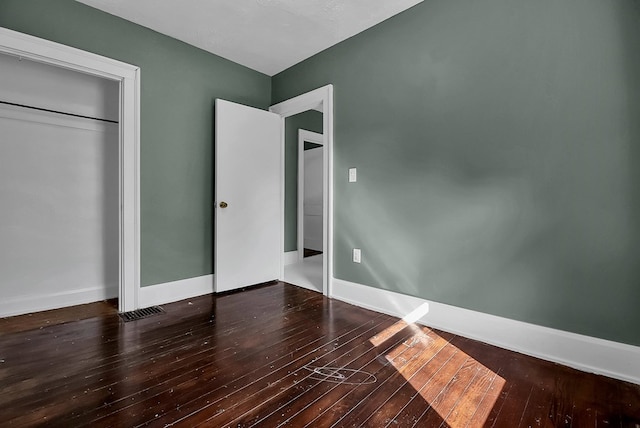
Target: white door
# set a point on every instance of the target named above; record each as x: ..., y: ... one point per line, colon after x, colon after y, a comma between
x: 248, y: 205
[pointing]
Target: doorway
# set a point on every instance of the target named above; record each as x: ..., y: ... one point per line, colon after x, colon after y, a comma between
x: 318, y: 100
x: 306, y: 271
x: 246, y: 235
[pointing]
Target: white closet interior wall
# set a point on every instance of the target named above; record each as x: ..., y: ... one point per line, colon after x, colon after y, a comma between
x: 313, y: 198
x: 58, y: 187
x: 54, y: 88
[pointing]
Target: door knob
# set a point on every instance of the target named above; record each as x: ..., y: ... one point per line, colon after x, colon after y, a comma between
x: 223, y: 204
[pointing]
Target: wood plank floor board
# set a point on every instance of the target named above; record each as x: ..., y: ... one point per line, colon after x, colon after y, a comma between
x: 629, y: 398
x: 206, y: 371
x: 184, y: 343
x: 407, y: 403
x: 514, y: 405
x: 236, y: 379
x: 464, y: 396
x: 451, y: 395
x: 150, y: 380
x: 421, y: 348
x: 492, y: 414
x: 442, y: 405
x: 40, y: 320
x: 241, y: 359
x: 467, y: 405
x: 306, y: 385
x: 145, y: 359
x: 537, y: 407
x: 302, y: 407
x: 337, y: 400
x: 488, y: 401
x: 269, y: 387
x: 156, y: 361
x: 540, y: 406
x: 422, y: 402
x: 596, y: 405
x: 366, y: 408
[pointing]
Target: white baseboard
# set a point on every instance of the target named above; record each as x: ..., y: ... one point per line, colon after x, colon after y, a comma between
x: 605, y: 357
x: 290, y: 257
x: 43, y: 302
x: 173, y: 291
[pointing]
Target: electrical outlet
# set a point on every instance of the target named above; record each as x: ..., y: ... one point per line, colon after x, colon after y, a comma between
x: 356, y: 255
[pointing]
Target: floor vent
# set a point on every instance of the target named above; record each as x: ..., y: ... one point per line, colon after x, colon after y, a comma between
x: 139, y: 314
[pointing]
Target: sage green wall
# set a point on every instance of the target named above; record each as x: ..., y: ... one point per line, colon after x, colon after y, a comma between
x: 497, y: 144
x: 311, y: 121
x: 178, y: 86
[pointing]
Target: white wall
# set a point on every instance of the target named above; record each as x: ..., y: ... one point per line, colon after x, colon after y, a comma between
x: 313, y: 198
x: 58, y: 190
x: 53, y: 88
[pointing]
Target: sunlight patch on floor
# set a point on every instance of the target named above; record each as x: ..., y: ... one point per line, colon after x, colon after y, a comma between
x: 459, y: 388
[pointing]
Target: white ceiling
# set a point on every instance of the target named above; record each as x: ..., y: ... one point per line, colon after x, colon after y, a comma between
x: 266, y: 35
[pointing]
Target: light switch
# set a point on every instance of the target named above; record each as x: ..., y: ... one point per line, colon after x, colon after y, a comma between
x: 353, y: 175
x: 356, y: 255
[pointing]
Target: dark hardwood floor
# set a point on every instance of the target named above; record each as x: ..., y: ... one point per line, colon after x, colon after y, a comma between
x: 281, y: 355
x: 39, y: 320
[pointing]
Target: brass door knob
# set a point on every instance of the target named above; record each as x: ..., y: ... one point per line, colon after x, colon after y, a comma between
x: 223, y: 204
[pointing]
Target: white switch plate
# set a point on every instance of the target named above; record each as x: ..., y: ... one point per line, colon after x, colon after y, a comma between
x: 353, y: 175
x: 356, y: 255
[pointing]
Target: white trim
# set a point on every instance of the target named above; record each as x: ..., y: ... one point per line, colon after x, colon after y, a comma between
x: 321, y: 98
x: 174, y: 291
x: 312, y: 100
x: 44, y: 302
x: 590, y: 354
x: 313, y: 137
x: 291, y: 257
x: 44, y: 51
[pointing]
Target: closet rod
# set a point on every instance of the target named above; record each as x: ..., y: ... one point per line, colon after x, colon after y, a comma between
x: 58, y: 112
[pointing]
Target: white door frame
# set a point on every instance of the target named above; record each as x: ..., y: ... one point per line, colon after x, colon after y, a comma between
x: 320, y: 99
x: 47, y: 52
x: 313, y: 137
